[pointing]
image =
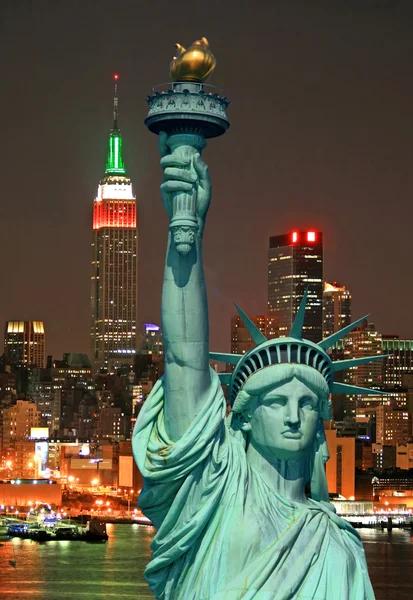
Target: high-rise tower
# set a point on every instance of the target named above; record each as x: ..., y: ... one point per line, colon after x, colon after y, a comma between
x: 336, y: 308
x: 114, y: 261
x: 295, y: 262
x: 24, y: 343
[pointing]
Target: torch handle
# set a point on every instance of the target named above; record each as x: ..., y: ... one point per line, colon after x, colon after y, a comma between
x: 184, y: 222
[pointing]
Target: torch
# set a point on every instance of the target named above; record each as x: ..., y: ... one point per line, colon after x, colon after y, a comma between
x: 189, y: 112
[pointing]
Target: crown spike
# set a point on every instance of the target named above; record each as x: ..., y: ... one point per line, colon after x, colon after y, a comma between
x: 341, y: 365
x: 255, y: 333
x: 233, y: 359
x: 344, y: 388
x: 338, y: 335
x: 297, y: 328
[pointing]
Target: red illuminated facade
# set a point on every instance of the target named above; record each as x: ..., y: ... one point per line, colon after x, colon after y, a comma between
x: 114, y: 213
x: 295, y: 262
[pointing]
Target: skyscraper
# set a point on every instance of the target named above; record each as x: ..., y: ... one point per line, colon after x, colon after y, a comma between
x: 152, y: 342
x: 295, y: 262
x: 336, y: 308
x: 400, y: 361
x: 114, y: 261
x: 364, y: 341
x: 241, y: 340
x: 24, y: 343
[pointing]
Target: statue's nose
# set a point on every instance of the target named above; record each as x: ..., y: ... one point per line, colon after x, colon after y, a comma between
x: 292, y: 416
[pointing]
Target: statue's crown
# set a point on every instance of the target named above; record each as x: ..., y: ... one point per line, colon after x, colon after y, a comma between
x: 291, y: 350
x: 195, y: 63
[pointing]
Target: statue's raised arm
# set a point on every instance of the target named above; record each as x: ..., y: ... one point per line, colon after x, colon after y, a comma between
x: 184, y: 300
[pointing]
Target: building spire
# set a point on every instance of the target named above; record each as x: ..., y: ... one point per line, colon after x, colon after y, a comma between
x: 115, y: 164
x: 115, y: 102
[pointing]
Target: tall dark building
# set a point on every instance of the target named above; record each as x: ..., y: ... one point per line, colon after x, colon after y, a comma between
x: 295, y: 262
x: 24, y: 343
x: 400, y: 361
x: 114, y: 261
x: 241, y: 341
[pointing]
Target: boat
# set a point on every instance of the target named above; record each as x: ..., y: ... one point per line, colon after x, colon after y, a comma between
x: 142, y: 520
x: 66, y: 532
x: 95, y: 531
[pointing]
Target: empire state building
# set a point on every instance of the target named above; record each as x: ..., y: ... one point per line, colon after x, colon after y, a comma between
x: 114, y: 261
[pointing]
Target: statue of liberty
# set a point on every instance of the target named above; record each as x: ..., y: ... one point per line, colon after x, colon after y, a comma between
x: 227, y: 494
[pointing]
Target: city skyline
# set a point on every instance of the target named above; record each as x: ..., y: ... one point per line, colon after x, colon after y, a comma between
x: 333, y: 132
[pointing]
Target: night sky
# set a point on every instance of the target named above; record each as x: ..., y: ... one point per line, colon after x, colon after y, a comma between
x: 321, y: 137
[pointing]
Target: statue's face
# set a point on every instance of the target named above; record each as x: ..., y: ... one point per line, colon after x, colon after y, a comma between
x: 284, y: 422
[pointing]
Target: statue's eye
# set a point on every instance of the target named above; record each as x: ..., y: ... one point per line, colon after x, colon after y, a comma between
x: 278, y: 400
x: 307, y: 402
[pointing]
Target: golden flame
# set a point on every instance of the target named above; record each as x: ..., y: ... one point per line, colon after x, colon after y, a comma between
x: 193, y: 64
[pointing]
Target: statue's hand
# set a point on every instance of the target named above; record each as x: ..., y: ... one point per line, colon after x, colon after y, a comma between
x: 185, y: 176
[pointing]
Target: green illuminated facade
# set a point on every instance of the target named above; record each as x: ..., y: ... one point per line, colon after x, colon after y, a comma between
x: 115, y: 164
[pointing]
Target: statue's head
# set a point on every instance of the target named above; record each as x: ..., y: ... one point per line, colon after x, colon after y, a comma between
x: 280, y: 389
x: 281, y: 408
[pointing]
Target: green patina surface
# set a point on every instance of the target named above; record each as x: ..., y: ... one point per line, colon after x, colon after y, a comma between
x: 227, y: 494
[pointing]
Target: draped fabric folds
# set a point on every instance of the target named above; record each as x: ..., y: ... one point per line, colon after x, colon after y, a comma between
x: 222, y: 533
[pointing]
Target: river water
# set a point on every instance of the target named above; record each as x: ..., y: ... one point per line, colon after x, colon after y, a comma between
x: 63, y: 570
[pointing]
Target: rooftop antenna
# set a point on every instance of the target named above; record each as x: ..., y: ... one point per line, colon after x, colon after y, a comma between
x: 115, y: 101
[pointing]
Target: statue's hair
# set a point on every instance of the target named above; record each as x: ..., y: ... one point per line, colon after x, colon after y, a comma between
x: 278, y: 375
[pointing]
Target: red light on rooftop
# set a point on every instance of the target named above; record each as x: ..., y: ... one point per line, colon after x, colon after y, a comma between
x: 115, y: 76
x: 294, y: 237
x: 310, y: 236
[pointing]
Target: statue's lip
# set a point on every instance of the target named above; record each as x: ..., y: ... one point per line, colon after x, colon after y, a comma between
x: 294, y: 435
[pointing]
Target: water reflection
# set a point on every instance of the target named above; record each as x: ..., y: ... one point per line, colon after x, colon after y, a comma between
x: 390, y: 561
x: 63, y: 570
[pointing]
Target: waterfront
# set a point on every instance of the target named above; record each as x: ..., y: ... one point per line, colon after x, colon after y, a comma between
x: 83, y: 571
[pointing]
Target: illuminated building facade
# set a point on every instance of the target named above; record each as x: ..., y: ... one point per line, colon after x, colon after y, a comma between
x: 24, y: 343
x: 341, y: 465
x: 110, y: 423
x: 399, y: 363
x: 152, y: 340
x: 336, y: 308
x: 18, y: 421
x: 241, y: 340
x: 74, y: 369
x: 392, y: 426
x: 364, y: 341
x: 404, y: 456
x: 295, y: 262
x: 114, y: 262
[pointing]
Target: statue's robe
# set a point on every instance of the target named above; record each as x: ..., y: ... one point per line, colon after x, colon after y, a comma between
x: 222, y: 532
